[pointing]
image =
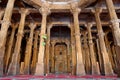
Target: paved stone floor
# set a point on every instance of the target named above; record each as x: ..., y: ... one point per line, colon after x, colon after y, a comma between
x: 56, y: 79
x: 59, y: 77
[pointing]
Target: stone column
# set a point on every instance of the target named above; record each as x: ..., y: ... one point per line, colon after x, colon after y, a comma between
x: 92, y: 53
x: 48, y: 50
x: 10, y: 45
x: 40, y: 65
x: 99, y: 56
x: 53, y: 57
x: 14, y: 65
x: 4, y: 27
x: 28, y: 51
x: 35, y: 52
x: 114, y: 20
x: 80, y: 66
x: 107, y: 65
x: 115, y: 57
x: 73, y: 51
x: 107, y: 42
x: 68, y: 56
x: 87, y: 55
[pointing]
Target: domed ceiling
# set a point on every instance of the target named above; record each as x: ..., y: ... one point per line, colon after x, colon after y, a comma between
x: 59, y: 0
x: 60, y: 4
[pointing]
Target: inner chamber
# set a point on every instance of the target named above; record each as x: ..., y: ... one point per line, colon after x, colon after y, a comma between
x: 60, y: 58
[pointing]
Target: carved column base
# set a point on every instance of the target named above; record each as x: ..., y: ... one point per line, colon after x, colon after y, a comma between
x: 80, y: 70
x: 2, y: 50
x: 95, y: 69
x: 33, y: 68
x: 53, y: 70
x: 73, y: 70
x: 39, y: 69
x: 13, y: 69
x: 26, y: 70
x: 47, y: 71
x: 108, y: 69
x: 1, y: 67
x: 21, y: 68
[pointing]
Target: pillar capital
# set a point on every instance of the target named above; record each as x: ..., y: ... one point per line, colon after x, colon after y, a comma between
x: 85, y: 33
x: 45, y: 10
x: 53, y: 43
x: 68, y: 43
x: 37, y: 32
x: 75, y: 10
x: 96, y: 10
x: 89, y: 25
x: 24, y: 11
x: 32, y: 26
x: 74, y: 6
x: 14, y: 25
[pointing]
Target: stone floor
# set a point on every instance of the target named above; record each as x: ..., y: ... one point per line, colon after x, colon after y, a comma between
x: 59, y: 77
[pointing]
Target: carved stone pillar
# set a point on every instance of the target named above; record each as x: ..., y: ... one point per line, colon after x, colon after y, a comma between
x: 28, y: 51
x: 48, y: 50
x: 115, y: 57
x: 114, y: 20
x: 35, y: 52
x: 10, y: 44
x: 80, y: 66
x: 99, y: 56
x: 4, y: 27
x: 73, y: 51
x: 92, y: 53
x: 40, y: 65
x: 53, y: 57
x: 68, y: 57
x: 109, y: 50
x: 87, y: 55
x: 107, y: 65
x: 14, y: 65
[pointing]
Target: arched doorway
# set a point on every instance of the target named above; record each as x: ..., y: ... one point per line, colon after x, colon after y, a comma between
x: 60, y: 58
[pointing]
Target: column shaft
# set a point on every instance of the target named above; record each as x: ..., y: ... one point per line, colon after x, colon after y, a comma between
x: 107, y: 64
x: 53, y: 58
x: 115, y: 22
x: 109, y: 50
x: 80, y: 66
x: 87, y: 55
x: 4, y: 27
x: 92, y: 53
x: 35, y: 51
x: 48, y: 51
x: 40, y: 64
x: 14, y: 65
x: 73, y: 51
x: 68, y: 57
x: 9, y: 48
x: 28, y: 51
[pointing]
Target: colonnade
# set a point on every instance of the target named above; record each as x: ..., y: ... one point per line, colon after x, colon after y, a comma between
x: 39, y: 65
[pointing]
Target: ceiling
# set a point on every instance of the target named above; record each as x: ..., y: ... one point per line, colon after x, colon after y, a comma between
x: 59, y: 0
